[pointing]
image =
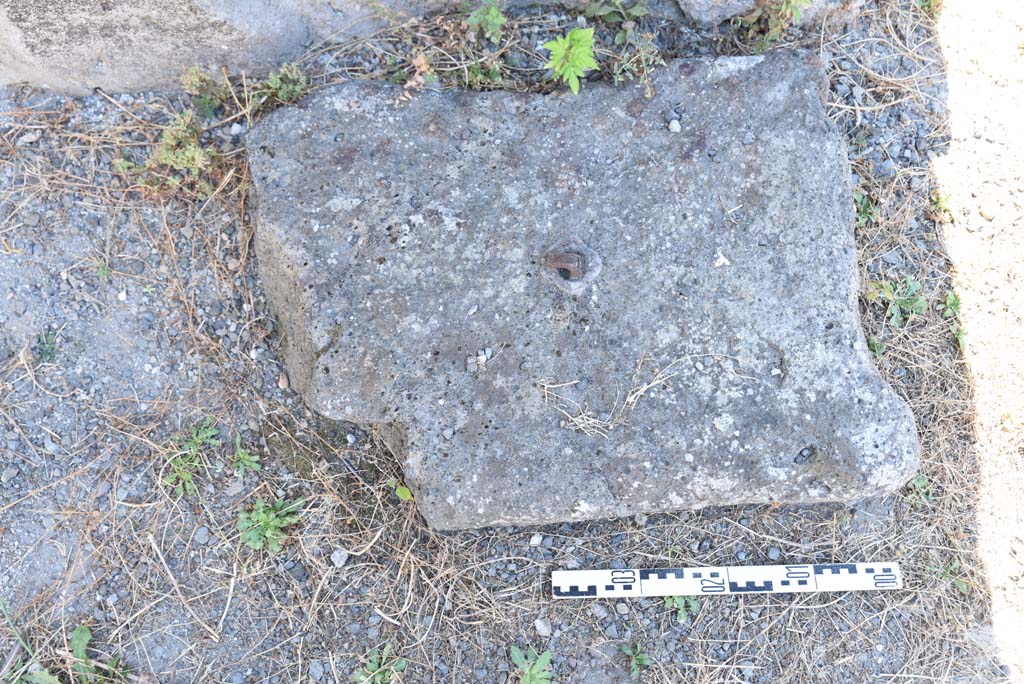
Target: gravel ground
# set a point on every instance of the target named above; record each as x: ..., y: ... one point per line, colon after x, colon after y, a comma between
x: 130, y: 317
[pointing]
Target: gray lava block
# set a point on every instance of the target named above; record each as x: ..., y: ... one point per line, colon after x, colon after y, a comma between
x: 565, y: 308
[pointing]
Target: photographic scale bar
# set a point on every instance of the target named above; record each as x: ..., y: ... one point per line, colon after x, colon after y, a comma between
x: 733, y: 579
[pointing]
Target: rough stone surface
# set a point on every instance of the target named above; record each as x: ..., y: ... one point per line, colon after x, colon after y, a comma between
x: 713, y: 343
x: 122, y: 45
x: 76, y: 45
x: 816, y: 11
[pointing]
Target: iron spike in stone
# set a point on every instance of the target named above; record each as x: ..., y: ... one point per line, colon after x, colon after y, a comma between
x: 711, y: 352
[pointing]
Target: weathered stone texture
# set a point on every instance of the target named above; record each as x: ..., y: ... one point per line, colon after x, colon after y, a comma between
x: 76, y: 45
x: 716, y: 11
x: 717, y: 348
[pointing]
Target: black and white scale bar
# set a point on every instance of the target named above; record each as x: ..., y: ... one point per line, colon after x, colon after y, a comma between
x: 736, y: 579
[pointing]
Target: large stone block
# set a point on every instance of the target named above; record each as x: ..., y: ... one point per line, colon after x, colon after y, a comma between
x: 568, y: 307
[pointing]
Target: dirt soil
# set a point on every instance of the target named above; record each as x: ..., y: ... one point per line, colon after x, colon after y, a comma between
x: 129, y: 315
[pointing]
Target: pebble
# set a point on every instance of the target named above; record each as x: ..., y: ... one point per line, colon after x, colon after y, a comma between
x: 350, y: 438
x: 543, y: 626
x: 9, y: 473
x: 316, y: 670
x: 621, y: 608
x: 282, y: 380
x: 202, y: 535
x: 537, y: 539
x: 339, y: 557
x: 599, y: 611
x: 774, y: 553
x: 674, y: 126
x: 236, y: 129
x: 741, y: 555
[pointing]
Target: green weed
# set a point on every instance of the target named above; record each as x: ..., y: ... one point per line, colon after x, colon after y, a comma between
x: 187, y: 458
x: 876, y: 346
x: 950, y: 574
x: 930, y: 7
x: 919, y: 491
x: 534, y: 668
x: 950, y: 310
x: 615, y: 13
x: 46, y: 349
x: 381, y: 667
x: 685, y: 606
x: 86, y: 670
x: 638, y: 660
x: 400, y: 490
x: 867, y: 209
x: 488, y: 20
x: 103, y: 270
x: 285, y: 85
x: 901, y: 299
x: 572, y: 56
x: 243, y: 460
x: 208, y: 94
x: 179, y: 161
x: 766, y: 25
x: 263, y: 526
x: 938, y: 208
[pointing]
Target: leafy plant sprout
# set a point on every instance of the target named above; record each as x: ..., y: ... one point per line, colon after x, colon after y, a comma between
x: 263, y: 526
x: 572, y: 56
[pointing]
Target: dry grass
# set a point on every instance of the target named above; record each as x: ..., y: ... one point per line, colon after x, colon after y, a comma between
x: 438, y: 596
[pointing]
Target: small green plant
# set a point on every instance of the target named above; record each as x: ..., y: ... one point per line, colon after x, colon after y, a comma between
x: 89, y: 671
x: 930, y: 7
x: 400, y: 490
x: 187, y: 458
x: 572, y: 56
x: 766, y: 25
x: 285, y: 85
x: 902, y: 299
x: 938, y: 208
x: 685, y: 606
x: 867, y: 209
x: 534, y: 668
x: 208, y: 94
x: 951, y: 574
x: 381, y: 667
x: 488, y: 19
x: 919, y: 491
x: 876, y: 346
x: 638, y: 660
x: 243, y: 460
x: 615, y: 13
x: 46, y: 347
x: 263, y: 526
x: 179, y: 161
x: 19, y: 671
x: 103, y: 270
x: 480, y: 76
x: 950, y: 310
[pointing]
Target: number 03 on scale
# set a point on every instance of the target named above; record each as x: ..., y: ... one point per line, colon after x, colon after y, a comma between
x: 734, y: 579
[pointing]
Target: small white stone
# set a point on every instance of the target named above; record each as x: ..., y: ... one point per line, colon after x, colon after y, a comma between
x: 674, y: 126
x: 339, y: 557
x: 537, y: 539
x: 543, y: 626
